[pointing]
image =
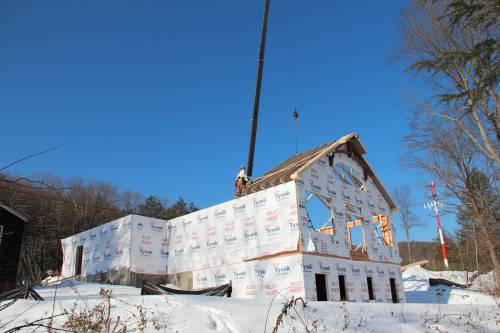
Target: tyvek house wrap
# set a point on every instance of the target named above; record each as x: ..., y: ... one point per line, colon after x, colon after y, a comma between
x: 259, y: 224
x: 106, y: 247
x: 256, y: 225
x: 320, y: 178
x: 355, y: 273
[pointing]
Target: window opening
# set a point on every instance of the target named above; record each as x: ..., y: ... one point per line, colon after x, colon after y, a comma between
x: 377, y: 230
x: 371, y: 297
x: 356, y: 236
x: 342, y: 288
x: 321, y: 287
x: 320, y: 213
x: 349, y: 175
x: 383, y: 230
x: 352, y: 212
x: 340, y: 174
x: 355, y: 230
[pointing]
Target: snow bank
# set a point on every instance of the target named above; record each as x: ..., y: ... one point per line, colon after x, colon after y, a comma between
x: 178, y: 313
x: 442, y: 309
x: 418, y: 290
x: 419, y: 273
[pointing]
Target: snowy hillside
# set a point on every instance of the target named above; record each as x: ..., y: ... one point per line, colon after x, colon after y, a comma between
x: 463, y: 311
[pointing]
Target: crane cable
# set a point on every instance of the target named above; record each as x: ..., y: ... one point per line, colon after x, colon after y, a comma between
x: 291, y: 68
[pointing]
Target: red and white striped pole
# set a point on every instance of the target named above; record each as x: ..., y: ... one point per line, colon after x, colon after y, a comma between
x: 434, y: 204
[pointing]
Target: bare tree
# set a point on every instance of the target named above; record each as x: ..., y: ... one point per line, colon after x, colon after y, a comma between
x: 58, y: 209
x: 402, y: 195
x: 56, y: 214
x: 131, y: 201
x: 444, y: 150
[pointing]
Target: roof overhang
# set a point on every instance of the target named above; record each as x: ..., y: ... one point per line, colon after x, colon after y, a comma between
x: 13, y: 212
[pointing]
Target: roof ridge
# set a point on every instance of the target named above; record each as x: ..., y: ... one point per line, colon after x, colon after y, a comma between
x: 291, y: 168
x: 279, y: 168
x: 296, y: 162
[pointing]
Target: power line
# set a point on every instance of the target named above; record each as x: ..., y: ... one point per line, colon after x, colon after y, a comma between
x: 32, y: 155
x: 46, y: 186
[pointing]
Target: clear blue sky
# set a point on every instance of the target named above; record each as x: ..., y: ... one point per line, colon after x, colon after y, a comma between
x: 156, y: 96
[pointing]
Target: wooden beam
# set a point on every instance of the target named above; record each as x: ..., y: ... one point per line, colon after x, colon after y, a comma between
x: 274, y: 255
x: 355, y: 223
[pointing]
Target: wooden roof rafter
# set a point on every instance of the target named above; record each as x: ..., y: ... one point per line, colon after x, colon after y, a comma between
x: 292, y: 168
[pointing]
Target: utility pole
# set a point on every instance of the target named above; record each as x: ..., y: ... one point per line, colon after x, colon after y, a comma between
x: 256, y: 103
x: 434, y: 205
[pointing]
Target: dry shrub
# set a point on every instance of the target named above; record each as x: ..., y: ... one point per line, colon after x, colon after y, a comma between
x: 98, y: 318
x: 94, y: 319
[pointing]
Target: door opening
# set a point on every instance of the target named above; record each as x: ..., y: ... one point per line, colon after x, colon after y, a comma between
x: 79, y: 260
x: 371, y: 297
x: 342, y: 288
x: 394, y: 292
x: 321, y: 287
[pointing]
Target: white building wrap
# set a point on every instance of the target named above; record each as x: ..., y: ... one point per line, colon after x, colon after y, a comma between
x: 355, y: 273
x: 320, y: 178
x: 106, y: 247
x: 220, y: 235
x: 257, y: 278
x: 263, y: 242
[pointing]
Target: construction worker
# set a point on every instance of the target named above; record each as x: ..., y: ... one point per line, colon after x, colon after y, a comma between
x: 241, y: 181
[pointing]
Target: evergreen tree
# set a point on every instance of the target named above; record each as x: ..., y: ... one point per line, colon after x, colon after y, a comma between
x: 179, y: 208
x: 456, y: 43
x: 153, y: 207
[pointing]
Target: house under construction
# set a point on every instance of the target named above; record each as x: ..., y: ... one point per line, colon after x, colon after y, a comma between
x: 318, y: 226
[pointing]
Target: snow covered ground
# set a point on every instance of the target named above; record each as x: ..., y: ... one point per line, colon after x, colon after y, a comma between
x: 459, y: 311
